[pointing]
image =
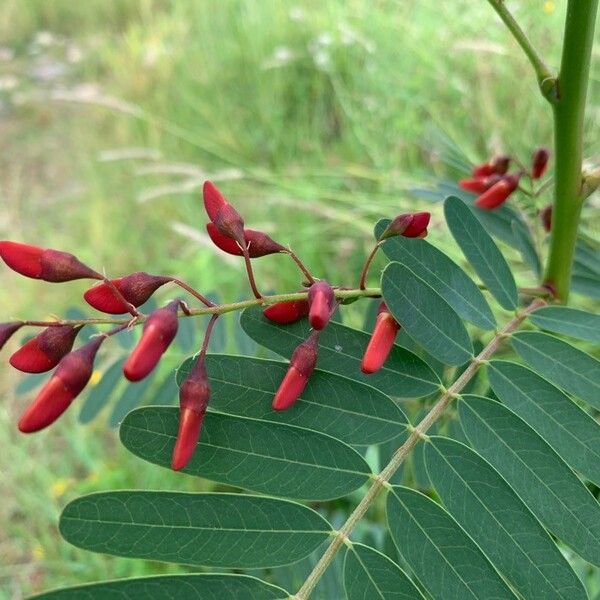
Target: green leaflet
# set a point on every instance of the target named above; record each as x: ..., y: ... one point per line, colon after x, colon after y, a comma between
x: 568, y: 367
x: 481, y: 251
x: 495, y: 517
x: 425, y: 315
x: 369, y: 574
x: 449, y: 565
x: 218, y: 530
x: 101, y: 393
x: 206, y: 586
x: 442, y: 274
x: 341, y: 349
x: 265, y: 457
x: 551, y: 491
x: 574, y: 435
x: 526, y: 246
x: 568, y: 321
x: 344, y: 408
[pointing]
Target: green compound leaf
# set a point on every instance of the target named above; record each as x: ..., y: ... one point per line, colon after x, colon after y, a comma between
x: 526, y: 246
x: 495, y: 517
x: 369, y: 574
x: 425, y: 315
x: 568, y: 321
x: 442, y: 274
x: 551, y: 491
x: 101, y: 393
x: 206, y: 586
x: 270, y: 458
x: 346, y: 409
x: 449, y: 565
x: 215, y: 530
x: 574, y: 435
x: 341, y: 349
x: 564, y: 365
x: 481, y: 251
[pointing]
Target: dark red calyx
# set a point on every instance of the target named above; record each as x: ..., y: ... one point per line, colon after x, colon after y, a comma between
x: 546, y: 218
x: 539, y: 162
x: 225, y: 218
x: 321, y: 298
x: 498, y: 164
x: 413, y: 225
x: 258, y: 243
x: 46, y: 264
x: 67, y: 382
x: 7, y: 330
x: 45, y: 350
x: 159, y: 331
x: 302, y: 365
x: 478, y: 185
x: 286, y: 312
x: 498, y: 193
x: 381, y: 342
x: 135, y: 288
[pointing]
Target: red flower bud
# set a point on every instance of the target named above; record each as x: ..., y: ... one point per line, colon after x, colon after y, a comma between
x: 546, y: 218
x: 7, y: 330
x: 194, y: 395
x: 45, y: 350
x: 498, y: 164
x: 539, y: 162
x: 67, y: 382
x: 159, y: 331
x: 478, y: 185
x: 135, y: 288
x: 498, y: 193
x: 413, y: 225
x: 381, y: 342
x: 225, y: 218
x: 46, y: 264
x: 302, y: 364
x: 320, y: 301
x: 286, y: 312
x: 258, y: 243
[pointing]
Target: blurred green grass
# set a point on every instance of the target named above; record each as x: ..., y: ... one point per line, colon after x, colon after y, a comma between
x: 315, y: 118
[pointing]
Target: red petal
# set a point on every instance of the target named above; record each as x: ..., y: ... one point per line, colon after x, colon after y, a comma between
x: 102, y: 298
x: 213, y: 200
x: 22, y: 258
x: 222, y: 241
x: 289, y: 391
x: 539, y: 162
x: 286, y: 312
x: 418, y: 224
x: 498, y: 193
x: 483, y: 170
x: 320, y: 300
x: 52, y: 401
x: 190, y: 424
x: 30, y: 358
x: 380, y: 344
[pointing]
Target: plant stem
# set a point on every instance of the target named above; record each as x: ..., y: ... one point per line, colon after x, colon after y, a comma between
x: 309, y: 278
x: 192, y: 291
x: 250, y: 273
x: 546, y: 80
x: 569, y: 112
x: 416, y: 434
x: 367, y: 265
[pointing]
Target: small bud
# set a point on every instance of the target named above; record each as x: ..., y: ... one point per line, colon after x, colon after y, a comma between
x: 498, y: 164
x: 194, y: 395
x: 67, y: 382
x: 258, y: 243
x: 7, y: 330
x: 413, y: 225
x: 302, y: 364
x: 539, y: 162
x: 159, y: 331
x: 45, y: 350
x: 135, y: 288
x: 46, y: 264
x: 546, y: 218
x: 498, y: 193
x: 382, y: 341
x: 478, y: 185
x: 286, y: 312
x: 225, y: 218
x: 321, y: 298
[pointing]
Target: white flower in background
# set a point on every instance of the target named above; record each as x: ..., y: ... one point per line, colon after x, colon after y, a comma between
x: 297, y: 14
x: 282, y: 56
x: 8, y: 82
x: 44, y: 38
x: 74, y: 54
x: 322, y: 59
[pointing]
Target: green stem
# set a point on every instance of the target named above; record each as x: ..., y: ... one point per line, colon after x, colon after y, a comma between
x: 569, y: 112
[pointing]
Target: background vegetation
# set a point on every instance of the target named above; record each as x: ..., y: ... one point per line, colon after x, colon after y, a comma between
x: 316, y: 118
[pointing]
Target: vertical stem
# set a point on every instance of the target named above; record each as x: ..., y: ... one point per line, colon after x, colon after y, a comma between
x: 569, y: 112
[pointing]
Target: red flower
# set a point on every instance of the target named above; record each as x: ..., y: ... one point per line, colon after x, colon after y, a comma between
x: 67, y: 382
x: 546, y: 218
x: 159, y: 331
x: 320, y: 301
x: 286, y: 312
x: 498, y: 193
x: 7, y: 330
x: 539, y: 162
x: 478, y: 185
x: 302, y: 364
x: 258, y: 243
x: 194, y: 395
x: 498, y: 164
x: 135, y: 288
x: 46, y: 264
x: 225, y: 218
x: 413, y: 225
x: 382, y: 341
x: 45, y: 350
